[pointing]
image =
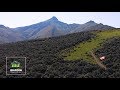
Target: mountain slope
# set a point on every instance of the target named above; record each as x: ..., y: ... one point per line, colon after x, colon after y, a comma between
x: 8, y: 35
x: 40, y: 53
x: 44, y: 29
x: 91, y: 25
x: 49, y: 28
x: 43, y: 60
x: 34, y: 30
x: 49, y: 31
x: 82, y: 50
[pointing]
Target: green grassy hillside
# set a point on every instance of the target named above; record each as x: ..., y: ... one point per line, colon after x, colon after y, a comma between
x: 81, y: 50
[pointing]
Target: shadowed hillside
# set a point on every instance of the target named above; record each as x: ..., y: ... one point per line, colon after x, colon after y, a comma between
x: 44, y: 61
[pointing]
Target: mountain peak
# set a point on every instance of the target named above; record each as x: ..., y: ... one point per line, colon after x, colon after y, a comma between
x: 2, y: 26
x: 90, y: 21
x: 54, y: 18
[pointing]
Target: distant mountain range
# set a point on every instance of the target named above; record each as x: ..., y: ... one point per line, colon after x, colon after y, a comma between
x: 9, y: 35
x: 49, y: 28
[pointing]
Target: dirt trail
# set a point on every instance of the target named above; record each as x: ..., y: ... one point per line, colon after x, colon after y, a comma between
x: 98, y: 61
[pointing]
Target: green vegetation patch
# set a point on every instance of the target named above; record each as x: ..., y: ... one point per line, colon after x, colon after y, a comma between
x: 81, y: 50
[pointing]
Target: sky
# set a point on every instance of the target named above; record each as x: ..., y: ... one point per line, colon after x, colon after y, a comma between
x: 18, y: 19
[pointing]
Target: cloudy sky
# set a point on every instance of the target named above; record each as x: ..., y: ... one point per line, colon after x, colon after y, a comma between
x: 17, y: 19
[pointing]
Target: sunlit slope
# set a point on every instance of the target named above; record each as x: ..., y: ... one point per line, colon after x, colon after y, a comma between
x: 81, y: 50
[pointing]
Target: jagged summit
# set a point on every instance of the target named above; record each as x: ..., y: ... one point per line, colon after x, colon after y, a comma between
x: 90, y: 21
x: 2, y: 26
x: 53, y: 18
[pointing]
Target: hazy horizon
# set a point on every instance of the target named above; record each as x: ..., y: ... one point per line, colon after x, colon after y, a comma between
x: 19, y: 19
